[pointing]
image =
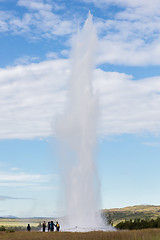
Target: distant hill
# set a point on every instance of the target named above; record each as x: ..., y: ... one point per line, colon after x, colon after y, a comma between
x: 117, y: 215
x: 8, y: 217
x: 114, y: 215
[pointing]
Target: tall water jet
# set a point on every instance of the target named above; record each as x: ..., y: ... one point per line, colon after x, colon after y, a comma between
x: 76, y: 130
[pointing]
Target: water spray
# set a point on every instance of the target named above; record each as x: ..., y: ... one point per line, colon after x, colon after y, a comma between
x: 77, y: 131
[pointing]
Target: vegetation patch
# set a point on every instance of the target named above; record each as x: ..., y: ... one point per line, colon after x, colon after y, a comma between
x: 138, y: 224
x: 116, y: 235
x: 2, y: 228
x: 144, y: 212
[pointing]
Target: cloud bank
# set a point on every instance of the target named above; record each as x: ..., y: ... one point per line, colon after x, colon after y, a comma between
x: 38, y: 20
x: 32, y: 96
x: 129, y: 36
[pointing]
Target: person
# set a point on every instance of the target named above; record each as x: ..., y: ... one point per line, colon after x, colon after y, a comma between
x: 49, y: 226
x: 28, y: 228
x: 44, y: 226
x: 52, y: 226
x: 57, y: 226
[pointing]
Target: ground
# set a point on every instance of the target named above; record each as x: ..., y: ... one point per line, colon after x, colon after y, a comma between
x: 153, y: 234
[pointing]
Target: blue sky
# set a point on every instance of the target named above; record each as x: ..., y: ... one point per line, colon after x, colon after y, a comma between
x: 35, y: 43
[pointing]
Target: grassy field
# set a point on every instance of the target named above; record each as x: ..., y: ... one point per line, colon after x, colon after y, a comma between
x: 20, y: 222
x: 119, y: 235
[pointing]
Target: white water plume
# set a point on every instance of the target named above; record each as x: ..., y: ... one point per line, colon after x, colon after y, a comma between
x: 76, y: 130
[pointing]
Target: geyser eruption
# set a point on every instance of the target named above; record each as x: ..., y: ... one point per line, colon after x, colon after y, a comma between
x: 76, y: 130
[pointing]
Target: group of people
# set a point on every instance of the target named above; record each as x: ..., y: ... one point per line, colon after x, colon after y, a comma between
x: 51, y: 226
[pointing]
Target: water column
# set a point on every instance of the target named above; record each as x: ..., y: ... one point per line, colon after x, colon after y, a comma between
x: 76, y: 130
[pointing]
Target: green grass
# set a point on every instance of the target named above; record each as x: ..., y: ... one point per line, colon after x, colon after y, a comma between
x: 119, y: 235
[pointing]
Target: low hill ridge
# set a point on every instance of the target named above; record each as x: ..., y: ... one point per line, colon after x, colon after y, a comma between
x: 116, y: 215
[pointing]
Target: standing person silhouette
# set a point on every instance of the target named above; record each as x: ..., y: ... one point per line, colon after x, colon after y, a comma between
x: 52, y: 226
x: 44, y: 226
x: 28, y: 228
x: 57, y: 226
x: 49, y: 226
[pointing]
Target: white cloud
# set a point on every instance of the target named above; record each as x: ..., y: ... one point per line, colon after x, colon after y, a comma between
x: 4, y: 17
x: 131, y: 35
x: 14, y: 169
x: 57, y: 7
x: 133, y: 53
x: 152, y: 144
x: 65, y: 53
x: 25, y: 60
x: 3, y: 198
x: 128, y: 106
x: 52, y: 55
x: 23, y: 177
x: 18, y: 178
x: 35, y: 5
x: 32, y: 96
x: 152, y: 5
x: 39, y: 20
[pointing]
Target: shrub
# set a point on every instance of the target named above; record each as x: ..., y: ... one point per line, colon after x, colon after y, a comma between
x: 10, y: 230
x: 2, y: 228
x: 138, y: 224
